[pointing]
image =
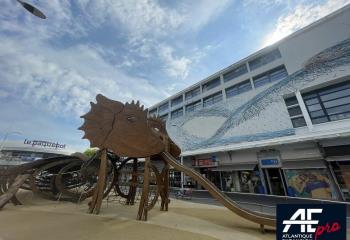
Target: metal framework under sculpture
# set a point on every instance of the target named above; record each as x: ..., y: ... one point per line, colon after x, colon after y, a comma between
x: 124, y: 134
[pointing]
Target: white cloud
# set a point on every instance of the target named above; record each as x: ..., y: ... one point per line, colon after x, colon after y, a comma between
x: 177, y: 67
x: 301, y: 16
x: 148, y: 24
x: 138, y: 17
x: 65, y: 81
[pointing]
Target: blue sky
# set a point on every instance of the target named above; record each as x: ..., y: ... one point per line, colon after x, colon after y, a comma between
x: 127, y: 49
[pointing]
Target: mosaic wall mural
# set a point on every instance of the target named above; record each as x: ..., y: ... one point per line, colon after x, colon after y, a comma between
x: 257, y: 114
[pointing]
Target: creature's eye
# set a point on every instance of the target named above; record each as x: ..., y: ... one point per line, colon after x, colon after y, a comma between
x: 131, y: 118
x: 157, y: 129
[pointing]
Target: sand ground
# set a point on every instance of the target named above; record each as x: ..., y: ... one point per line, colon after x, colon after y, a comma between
x: 44, y: 219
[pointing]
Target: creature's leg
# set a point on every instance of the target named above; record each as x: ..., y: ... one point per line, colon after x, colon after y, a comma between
x: 143, y: 208
x: 95, y: 204
x: 164, y: 188
x: 133, y: 185
x: 12, y: 190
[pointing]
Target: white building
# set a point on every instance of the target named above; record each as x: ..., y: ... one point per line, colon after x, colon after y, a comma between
x: 17, y: 152
x: 276, y: 122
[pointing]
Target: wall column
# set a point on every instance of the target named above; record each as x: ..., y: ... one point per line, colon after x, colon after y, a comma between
x: 304, y: 110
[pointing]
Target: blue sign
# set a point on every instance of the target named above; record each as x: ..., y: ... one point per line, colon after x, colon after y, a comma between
x: 270, y: 162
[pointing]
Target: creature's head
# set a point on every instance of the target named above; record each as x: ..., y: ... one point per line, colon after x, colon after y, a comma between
x: 124, y: 129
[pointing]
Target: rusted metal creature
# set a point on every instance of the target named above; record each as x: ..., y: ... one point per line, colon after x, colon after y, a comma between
x: 128, y: 132
x: 124, y: 134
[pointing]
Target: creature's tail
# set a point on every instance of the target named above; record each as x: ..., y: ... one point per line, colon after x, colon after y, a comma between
x: 259, y: 218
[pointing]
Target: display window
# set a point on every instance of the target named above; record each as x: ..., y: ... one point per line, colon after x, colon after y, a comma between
x: 247, y: 181
x: 341, y: 171
x: 310, y: 183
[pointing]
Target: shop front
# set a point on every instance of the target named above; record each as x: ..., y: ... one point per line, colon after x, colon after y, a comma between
x: 338, y: 159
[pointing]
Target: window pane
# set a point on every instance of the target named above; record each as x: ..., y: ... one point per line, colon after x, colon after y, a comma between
x: 311, y: 101
x: 264, y: 59
x: 270, y: 76
x: 238, y: 89
x: 291, y: 101
x: 176, y: 101
x: 193, y: 107
x: 339, y: 94
x: 308, y: 96
x: 164, y: 107
x: 337, y: 102
x: 261, y: 81
x: 176, y: 113
x: 314, y: 107
x: 319, y: 120
x: 192, y: 93
x: 298, y: 122
x: 212, y: 99
x: 245, y: 86
x: 212, y: 84
x: 339, y: 109
x: 294, y: 111
x: 230, y: 92
x: 279, y: 74
x: 164, y: 117
x: 316, y: 114
x: 335, y: 88
x: 339, y: 116
x: 235, y: 73
x: 152, y: 112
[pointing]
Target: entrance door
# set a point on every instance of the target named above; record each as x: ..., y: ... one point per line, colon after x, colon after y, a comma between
x: 274, y: 180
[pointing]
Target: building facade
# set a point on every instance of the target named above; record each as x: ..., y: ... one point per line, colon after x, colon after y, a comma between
x: 276, y: 122
x: 19, y: 152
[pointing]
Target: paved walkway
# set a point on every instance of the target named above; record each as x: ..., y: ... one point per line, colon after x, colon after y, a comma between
x: 43, y: 219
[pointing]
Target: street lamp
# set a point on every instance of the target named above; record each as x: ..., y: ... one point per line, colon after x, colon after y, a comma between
x: 33, y: 10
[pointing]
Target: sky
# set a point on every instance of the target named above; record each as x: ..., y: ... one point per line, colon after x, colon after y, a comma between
x: 145, y: 50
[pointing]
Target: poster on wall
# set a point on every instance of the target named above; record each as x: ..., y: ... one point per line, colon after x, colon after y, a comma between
x: 309, y: 183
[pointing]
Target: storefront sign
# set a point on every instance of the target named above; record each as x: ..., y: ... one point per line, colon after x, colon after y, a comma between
x: 41, y: 143
x: 270, y: 163
x: 207, y: 162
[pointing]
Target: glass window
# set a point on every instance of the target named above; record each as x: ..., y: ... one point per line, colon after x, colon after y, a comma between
x: 329, y: 104
x: 235, y: 73
x: 238, y: 89
x: 177, y: 113
x: 211, y: 100
x: 298, y: 122
x: 342, y: 173
x: 250, y: 182
x: 193, y: 106
x: 295, y: 112
x: 164, y: 107
x: 164, y: 117
x: 191, y: 94
x: 264, y: 59
x: 153, y: 112
x: 270, y: 76
x: 310, y: 183
x: 176, y: 101
x: 211, y: 84
x: 291, y: 101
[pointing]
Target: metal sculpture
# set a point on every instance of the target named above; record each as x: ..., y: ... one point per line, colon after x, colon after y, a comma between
x: 125, y: 135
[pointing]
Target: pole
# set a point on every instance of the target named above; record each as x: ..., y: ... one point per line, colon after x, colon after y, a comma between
x: 182, y: 174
